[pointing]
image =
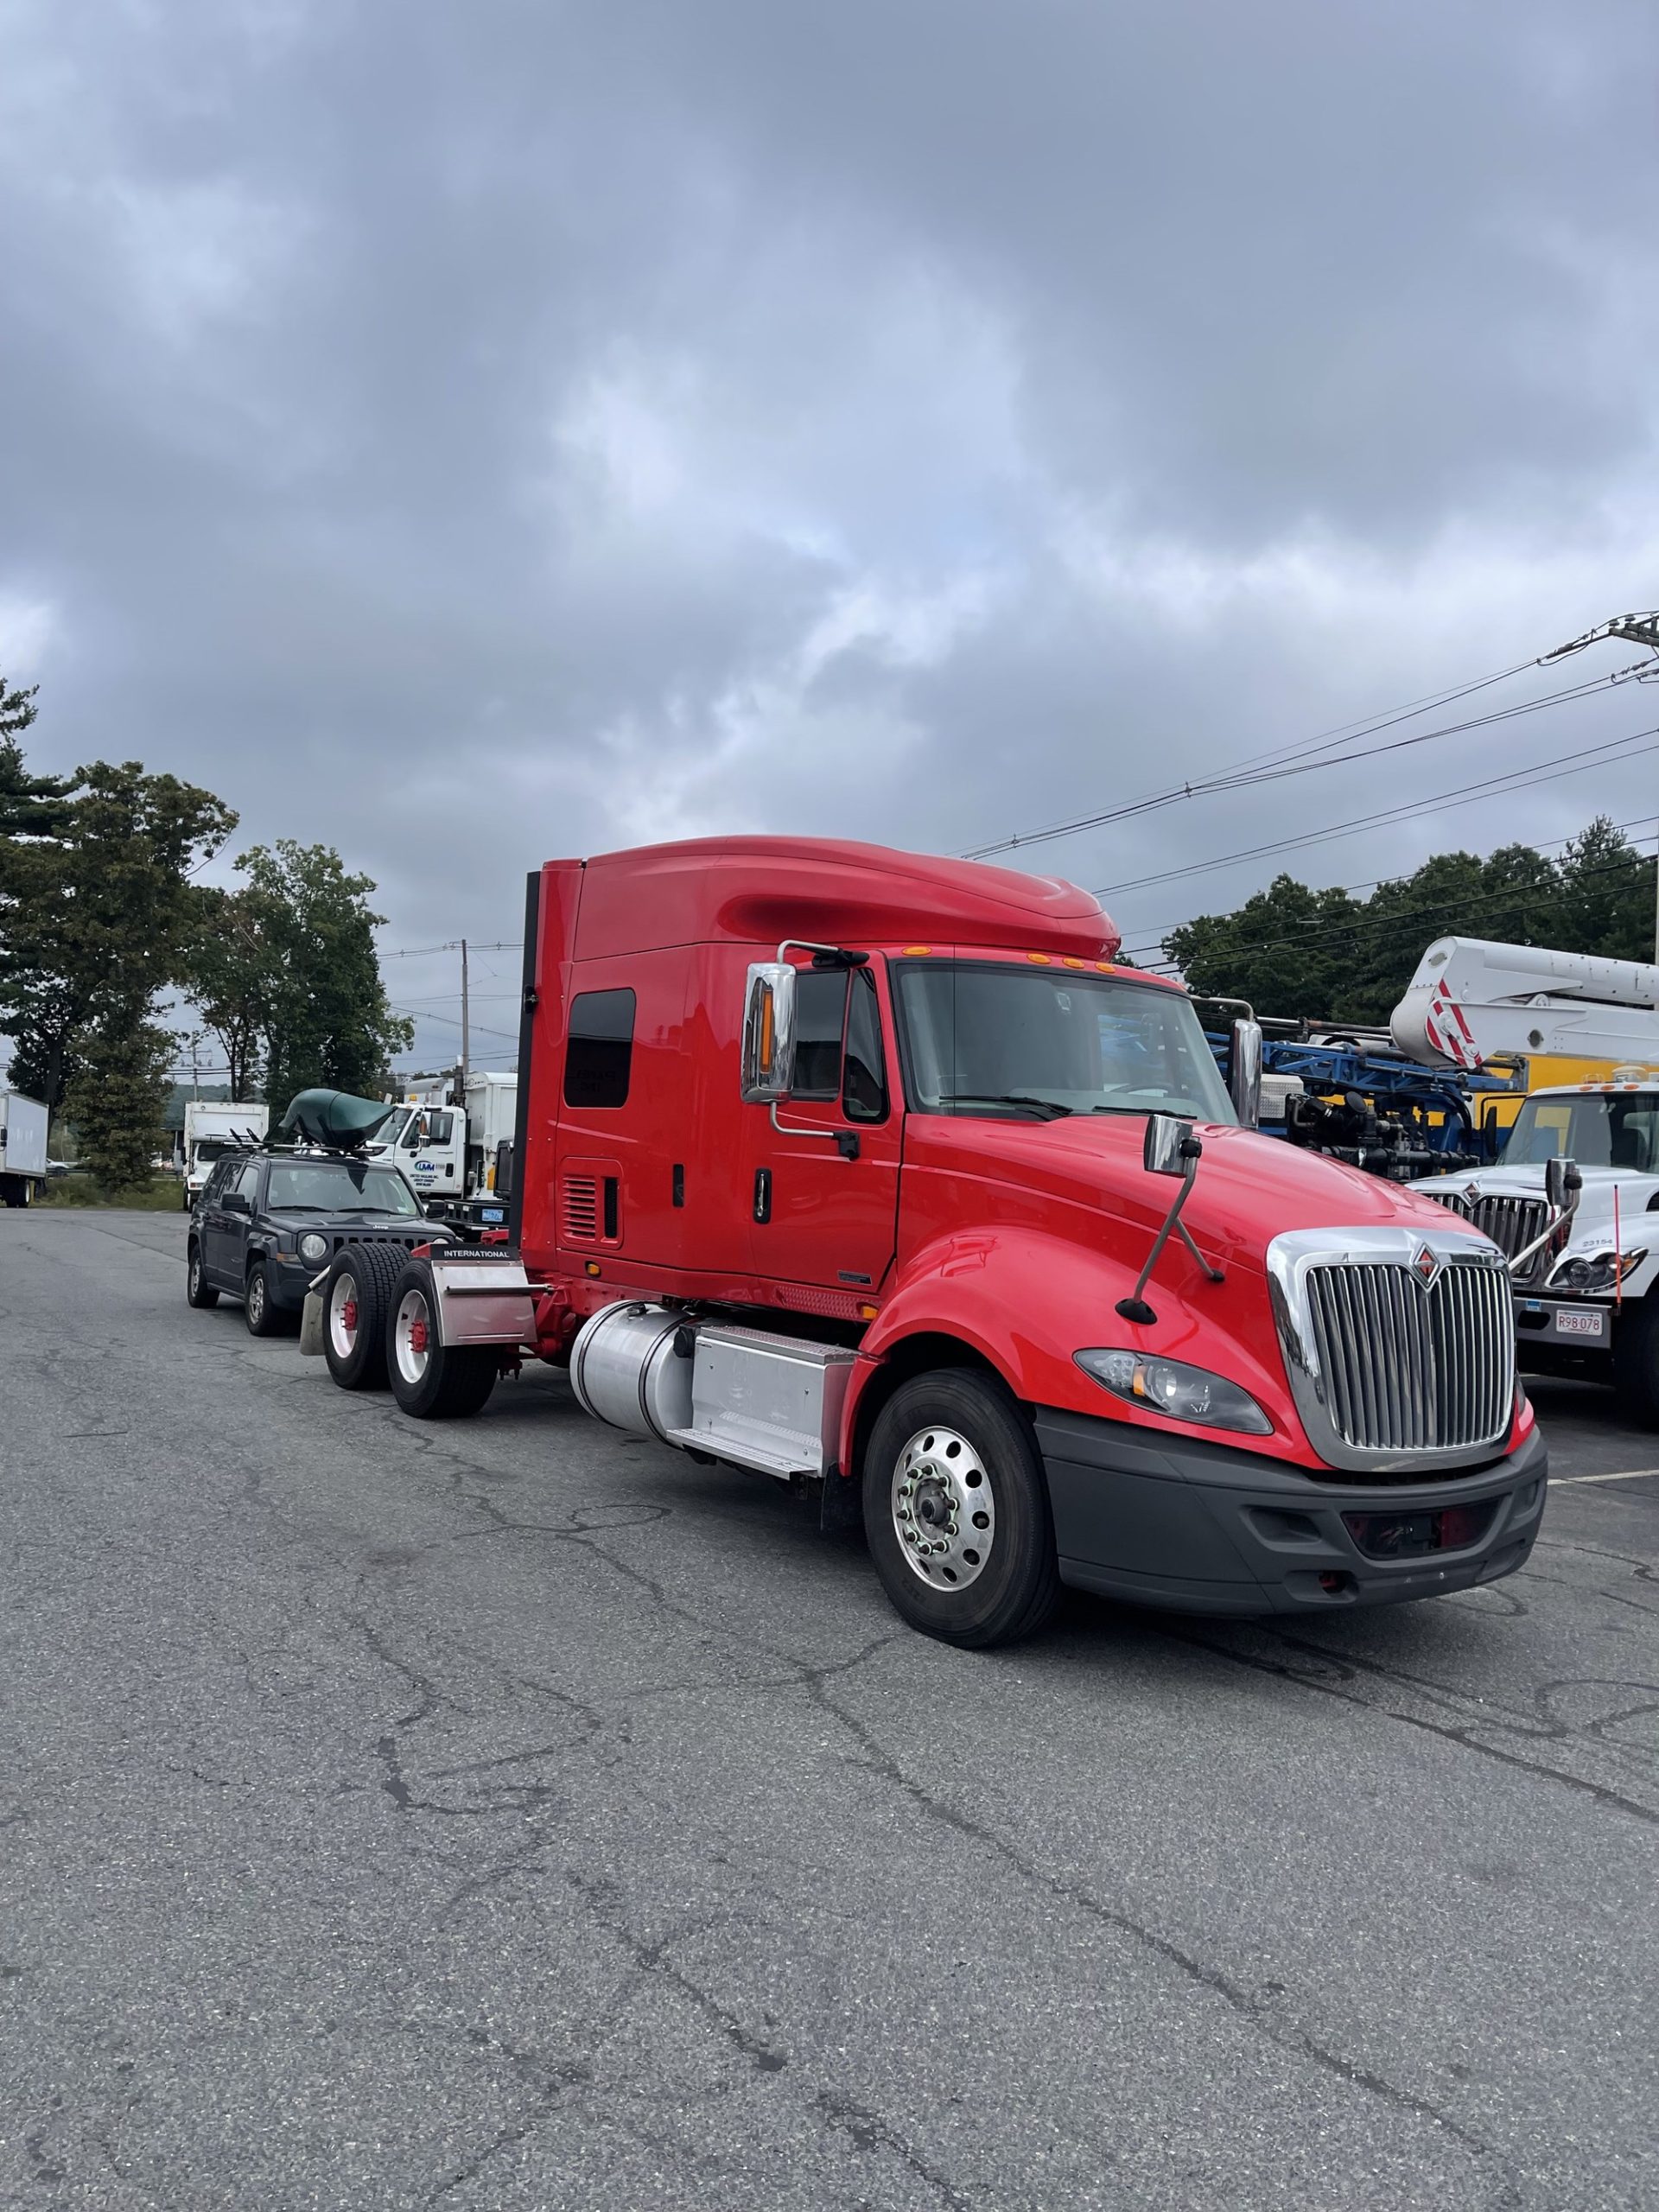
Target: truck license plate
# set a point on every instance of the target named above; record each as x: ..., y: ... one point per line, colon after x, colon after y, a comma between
x: 1579, y: 1324
x: 496, y: 1214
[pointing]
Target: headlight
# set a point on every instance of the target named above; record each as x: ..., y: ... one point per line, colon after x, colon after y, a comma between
x: 1598, y: 1271
x: 314, y: 1247
x: 1165, y: 1386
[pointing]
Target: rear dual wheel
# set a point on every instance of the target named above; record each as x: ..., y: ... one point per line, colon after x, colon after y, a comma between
x: 355, y: 1297
x: 956, y: 1513
x: 429, y: 1379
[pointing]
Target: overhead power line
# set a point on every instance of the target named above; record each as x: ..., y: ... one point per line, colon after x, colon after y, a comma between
x: 1247, y: 776
x: 1462, y: 795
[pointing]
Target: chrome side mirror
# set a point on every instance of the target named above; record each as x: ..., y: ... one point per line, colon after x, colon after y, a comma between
x: 769, y: 1032
x: 1244, y: 1072
x: 1561, y: 1177
x: 1164, y: 1151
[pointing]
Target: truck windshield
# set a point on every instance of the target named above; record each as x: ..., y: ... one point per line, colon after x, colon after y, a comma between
x: 987, y: 1038
x: 340, y: 1186
x: 1596, y: 1129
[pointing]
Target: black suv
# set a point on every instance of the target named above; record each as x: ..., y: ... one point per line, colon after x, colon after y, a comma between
x: 268, y: 1223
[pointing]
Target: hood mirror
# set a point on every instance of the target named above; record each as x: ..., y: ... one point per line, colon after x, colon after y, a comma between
x: 1560, y: 1176
x: 1164, y: 1152
x: 1170, y: 1147
x: 1563, y: 1187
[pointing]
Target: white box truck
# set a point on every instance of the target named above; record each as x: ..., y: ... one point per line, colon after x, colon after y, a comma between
x: 213, y: 1126
x: 22, y: 1146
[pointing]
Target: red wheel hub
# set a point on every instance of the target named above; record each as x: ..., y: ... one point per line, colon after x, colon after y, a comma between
x: 417, y: 1336
x: 348, y: 1314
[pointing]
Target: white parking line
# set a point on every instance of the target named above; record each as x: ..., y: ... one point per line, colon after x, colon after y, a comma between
x: 1628, y: 1475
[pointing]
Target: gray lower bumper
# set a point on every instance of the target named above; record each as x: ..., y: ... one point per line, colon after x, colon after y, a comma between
x: 1207, y: 1528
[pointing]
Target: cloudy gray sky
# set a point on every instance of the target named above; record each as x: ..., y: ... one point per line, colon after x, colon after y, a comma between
x: 471, y: 434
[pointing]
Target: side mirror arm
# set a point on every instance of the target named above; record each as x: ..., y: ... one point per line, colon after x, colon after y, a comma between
x: 1134, y: 1306
x: 1565, y: 1187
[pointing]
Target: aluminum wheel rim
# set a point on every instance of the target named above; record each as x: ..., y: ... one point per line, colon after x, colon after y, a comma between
x: 943, y: 1513
x: 255, y: 1298
x: 195, y: 1274
x: 342, y: 1329
x: 413, y: 1337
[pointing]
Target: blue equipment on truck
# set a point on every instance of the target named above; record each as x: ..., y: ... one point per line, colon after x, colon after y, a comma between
x: 1334, y: 1093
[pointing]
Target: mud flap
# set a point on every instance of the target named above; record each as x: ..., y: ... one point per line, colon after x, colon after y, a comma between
x: 311, y: 1325
x: 843, y: 1507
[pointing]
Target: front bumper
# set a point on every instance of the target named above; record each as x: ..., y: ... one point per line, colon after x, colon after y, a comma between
x: 1575, y: 1324
x: 1208, y: 1528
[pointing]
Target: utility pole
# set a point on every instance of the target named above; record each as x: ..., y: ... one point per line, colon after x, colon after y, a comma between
x: 466, y: 1039
x: 1635, y: 629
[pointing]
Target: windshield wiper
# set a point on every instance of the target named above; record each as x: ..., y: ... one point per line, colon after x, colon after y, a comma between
x: 1049, y: 1110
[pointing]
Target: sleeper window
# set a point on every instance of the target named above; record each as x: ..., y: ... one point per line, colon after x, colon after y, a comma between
x: 599, y: 1053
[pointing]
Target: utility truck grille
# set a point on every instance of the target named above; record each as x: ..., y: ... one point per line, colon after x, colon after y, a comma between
x: 1399, y: 1344
x: 1512, y: 1223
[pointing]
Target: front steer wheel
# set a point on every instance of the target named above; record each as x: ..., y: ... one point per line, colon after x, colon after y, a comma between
x: 955, y: 1511
x: 355, y: 1295
x: 429, y: 1379
x: 260, y: 1311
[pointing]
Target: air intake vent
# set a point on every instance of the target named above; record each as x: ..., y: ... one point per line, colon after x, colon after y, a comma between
x: 581, y: 1210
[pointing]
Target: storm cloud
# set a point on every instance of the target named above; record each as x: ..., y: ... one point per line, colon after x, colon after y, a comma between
x: 470, y: 435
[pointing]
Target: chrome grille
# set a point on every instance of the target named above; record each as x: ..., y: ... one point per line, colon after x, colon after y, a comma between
x: 1409, y: 1366
x: 1512, y: 1223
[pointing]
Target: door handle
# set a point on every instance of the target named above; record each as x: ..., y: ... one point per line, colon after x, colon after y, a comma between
x: 763, y: 1194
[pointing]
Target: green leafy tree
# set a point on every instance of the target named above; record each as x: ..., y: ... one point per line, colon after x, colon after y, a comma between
x: 97, y: 913
x: 231, y: 976
x: 299, y: 970
x: 1324, y: 955
x: 116, y: 1097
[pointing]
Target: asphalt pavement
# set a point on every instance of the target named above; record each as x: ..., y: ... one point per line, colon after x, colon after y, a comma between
x: 512, y: 1814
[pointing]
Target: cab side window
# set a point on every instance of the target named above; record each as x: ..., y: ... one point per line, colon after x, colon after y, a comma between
x: 213, y: 1189
x: 248, y: 1183
x: 864, y: 1073
x: 820, y: 1016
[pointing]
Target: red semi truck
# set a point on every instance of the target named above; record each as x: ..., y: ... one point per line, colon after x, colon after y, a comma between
x: 867, y: 1169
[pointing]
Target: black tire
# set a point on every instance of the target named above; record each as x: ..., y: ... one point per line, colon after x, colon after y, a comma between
x: 940, y: 1443
x: 1635, y: 1364
x: 429, y: 1380
x: 16, y: 1189
x: 197, y: 1291
x: 361, y: 1276
x: 264, y: 1316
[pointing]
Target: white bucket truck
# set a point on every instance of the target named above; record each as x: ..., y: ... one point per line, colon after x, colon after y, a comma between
x: 456, y: 1152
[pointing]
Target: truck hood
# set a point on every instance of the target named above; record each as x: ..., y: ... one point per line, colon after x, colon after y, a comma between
x: 1249, y: 1187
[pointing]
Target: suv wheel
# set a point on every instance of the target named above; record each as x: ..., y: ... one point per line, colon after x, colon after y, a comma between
x: 197, y: 1291
x: 262, y: 1316
x: 429, y: 1379
x: 354, y: 1299
x: 955, y: 1511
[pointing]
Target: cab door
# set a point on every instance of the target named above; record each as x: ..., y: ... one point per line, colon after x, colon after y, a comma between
x: 823, y: 1188
x: 224, y: 1239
